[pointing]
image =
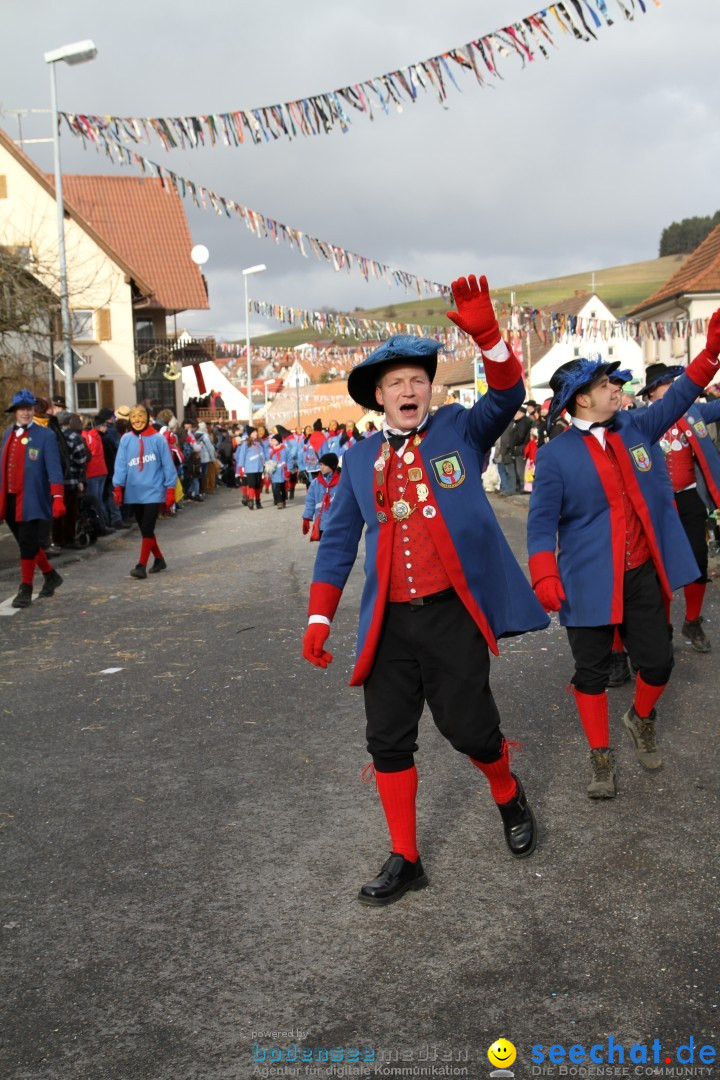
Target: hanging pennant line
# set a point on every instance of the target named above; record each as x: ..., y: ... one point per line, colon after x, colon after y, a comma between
x: 319, y: 114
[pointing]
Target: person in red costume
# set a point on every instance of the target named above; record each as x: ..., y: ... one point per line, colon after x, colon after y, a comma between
x: 441, y: 582
x: 31, y: 493
x: 145, y: 478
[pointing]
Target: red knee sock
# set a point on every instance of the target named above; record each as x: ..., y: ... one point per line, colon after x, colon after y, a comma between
x: 502, y: 782
x: 617, y: 645
x: 397, y: 791
x: 43, y: 562
x: 155, y: 549
x: 593, y: 709
x: 27, y: 571
x: 146, y: 550
x: 694, y: 596
x: 243, y: 491
x: 645, y: 696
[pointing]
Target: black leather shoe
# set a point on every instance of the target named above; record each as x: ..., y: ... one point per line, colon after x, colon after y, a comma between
x: 398, y: 875
x: 23, y: 597
x: 518, y: 823
x: 620, y: 670
x: 139, y: 571
x: 53, y: 581
x: 157, y: 566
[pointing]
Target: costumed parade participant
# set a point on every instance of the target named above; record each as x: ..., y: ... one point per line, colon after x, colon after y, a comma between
x: 691, y: 460
x: 277, y: 467
x: 145, y: 479
x: 600, y: 498
x: 442, y: 584
x: 31, y: 494
x: 319, y: 498
x: 250, y: 458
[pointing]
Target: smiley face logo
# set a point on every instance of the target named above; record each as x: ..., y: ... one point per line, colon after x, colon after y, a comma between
x: 502, y: 1054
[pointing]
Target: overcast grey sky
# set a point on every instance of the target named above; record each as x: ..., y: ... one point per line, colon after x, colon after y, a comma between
x: 573, y: 163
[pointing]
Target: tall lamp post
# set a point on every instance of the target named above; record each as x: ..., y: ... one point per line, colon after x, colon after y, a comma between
x: 246, y: 274
x: 77, y: 53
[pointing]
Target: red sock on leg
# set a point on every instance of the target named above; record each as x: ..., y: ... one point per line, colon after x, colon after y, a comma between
x: 497, y: 773
x: 27, y: 571
x: 593, y: 709
x: 155, y: 549
x: 646, y: 696
x: 694, y: 596
x: 397, y: 791
x: 146, y: 550
x: 43, y: 562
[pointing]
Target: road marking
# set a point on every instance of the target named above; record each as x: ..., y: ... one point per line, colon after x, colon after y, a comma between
x: 6, y: 605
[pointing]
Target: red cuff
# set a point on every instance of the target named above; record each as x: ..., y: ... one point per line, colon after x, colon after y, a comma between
x: 543, y: 564
x: 503, y: 374
x: 57, y: 490
x: 703, y: 368
x: 324, y: 599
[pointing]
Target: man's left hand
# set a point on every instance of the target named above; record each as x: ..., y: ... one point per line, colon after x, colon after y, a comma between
x: 169, y: 498
x: 58, y: 506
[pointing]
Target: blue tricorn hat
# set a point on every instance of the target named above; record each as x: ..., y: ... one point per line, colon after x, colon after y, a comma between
x: 657, y: 374
x: 399, y: 349
x: 571, y: 378
x: 24, y: 399
x: 622, y: 376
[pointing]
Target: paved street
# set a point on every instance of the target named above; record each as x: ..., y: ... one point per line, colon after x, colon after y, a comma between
x: 184, y: 831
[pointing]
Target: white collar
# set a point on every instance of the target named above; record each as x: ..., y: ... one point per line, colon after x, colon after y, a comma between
x: 395, y: 431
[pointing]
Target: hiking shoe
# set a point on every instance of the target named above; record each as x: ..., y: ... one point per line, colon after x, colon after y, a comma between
x: 604, y: 781
x: 157, y: 566
x: 693, y: 631
x: 642, y: 732
x: 139, y: 571
x: 53, y: 581
x: 23, y: 598
x: 620, y: 670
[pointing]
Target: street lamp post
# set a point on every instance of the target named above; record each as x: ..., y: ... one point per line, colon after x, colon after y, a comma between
x: 246, y: 274
x: 78, y: 53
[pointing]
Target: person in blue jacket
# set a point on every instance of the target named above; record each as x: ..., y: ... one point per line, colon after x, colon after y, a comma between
x: 602, y: 502
x: 332, y: 443
x: 441, y: 583
x: 292, y: 447
x: 31, y: 493
x: 319, y: 498
x: 277, y: 467
x: 250, y: 458
x: 145, y: 478
x: 309, y: 459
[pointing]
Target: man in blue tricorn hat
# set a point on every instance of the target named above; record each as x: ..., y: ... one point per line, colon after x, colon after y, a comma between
x: 441, y: 582
x: 602, y: 500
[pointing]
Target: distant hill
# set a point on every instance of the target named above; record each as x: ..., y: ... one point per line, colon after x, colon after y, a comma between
x: 620, y: 287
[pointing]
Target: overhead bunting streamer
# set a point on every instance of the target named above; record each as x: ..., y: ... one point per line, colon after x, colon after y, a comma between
x: 322, y: 113
x: 266, y: 227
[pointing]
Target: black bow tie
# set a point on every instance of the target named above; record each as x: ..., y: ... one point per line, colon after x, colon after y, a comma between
x: 396, y: 441
x: 608, y: 424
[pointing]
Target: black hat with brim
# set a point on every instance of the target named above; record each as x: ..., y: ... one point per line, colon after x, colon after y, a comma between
x: 399, y: 349
x: 657, y: 374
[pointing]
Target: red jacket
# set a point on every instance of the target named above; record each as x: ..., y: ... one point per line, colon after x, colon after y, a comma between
x: 96, y: 465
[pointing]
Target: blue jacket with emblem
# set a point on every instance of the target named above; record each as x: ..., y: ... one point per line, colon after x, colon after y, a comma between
x: 576, y: 507
x: 250, y: 456
x: 149, y: 484
x: 42, y: 467
x: 468, y: 539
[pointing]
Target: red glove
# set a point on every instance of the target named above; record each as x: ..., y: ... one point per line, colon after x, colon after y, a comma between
x: 241, y: 473
x: 118, y: 496
x: 475, y: 313
x: 546, y: 580
x: 305, y: 526
x: 58, y: 507
x: 312, y: 646
x: 712, y: 343
x: 169, y: 498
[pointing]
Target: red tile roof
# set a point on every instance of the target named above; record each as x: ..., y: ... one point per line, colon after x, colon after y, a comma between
x: 146, y: 224
x: 700, y: 273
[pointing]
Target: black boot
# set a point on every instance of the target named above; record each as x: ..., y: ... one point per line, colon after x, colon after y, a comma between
x: 53, y: 581
x: 518, y: 823
x: 157, y: 566
x: 139, y: 572
x: 23, y: 597
x: 620, y: 670
x: 397, y: 875
x: 258, y: 504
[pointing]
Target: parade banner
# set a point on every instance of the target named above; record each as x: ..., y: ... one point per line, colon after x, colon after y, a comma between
x: 319, y: 114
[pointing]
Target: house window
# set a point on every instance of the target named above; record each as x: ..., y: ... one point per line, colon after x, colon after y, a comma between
x: 576, y: 352
x: 82, y: 325
x: 87, y: 395
x: 611, y: 350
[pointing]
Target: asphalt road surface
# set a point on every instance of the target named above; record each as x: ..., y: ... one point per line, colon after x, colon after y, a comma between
x: 184, y: 830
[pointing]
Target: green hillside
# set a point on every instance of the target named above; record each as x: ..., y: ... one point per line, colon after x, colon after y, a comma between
x: 620, y: 287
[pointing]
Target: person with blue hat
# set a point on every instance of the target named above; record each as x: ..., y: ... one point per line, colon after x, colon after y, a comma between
x: 694, y: 465
x: 31, y: 493
x: 602, y: 502
x: 441, y: 583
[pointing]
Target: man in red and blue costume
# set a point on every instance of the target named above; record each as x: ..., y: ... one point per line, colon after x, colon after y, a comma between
x: 602, y: 500
x: 693, y: 463
x: 31, y: 493
x: 442, y: 585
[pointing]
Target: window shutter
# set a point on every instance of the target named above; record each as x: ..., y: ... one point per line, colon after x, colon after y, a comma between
x: 103, y: 324
x: 3, y: 187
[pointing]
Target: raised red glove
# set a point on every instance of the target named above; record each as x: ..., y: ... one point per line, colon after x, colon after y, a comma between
x: 58, y: 507
x: 712, y: 343
x: 241, y: 473
x: 118, y: 496
x: 475, y: 313
x: 305, y: 526
x: 312, y: 646
x: 169, y: 498
x: 546, y: 580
